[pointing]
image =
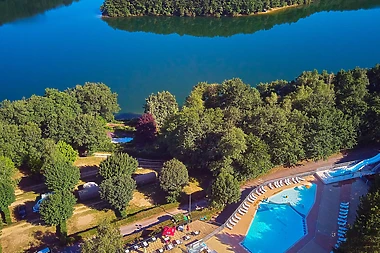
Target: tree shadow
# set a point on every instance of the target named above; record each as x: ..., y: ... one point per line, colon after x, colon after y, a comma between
x: 31, y: 217
x: 154, y: 193
x: 360, y: 153
x: 230, y: 209
x: 233, y: 241
x: 44, y: 239
x: 32, y: 183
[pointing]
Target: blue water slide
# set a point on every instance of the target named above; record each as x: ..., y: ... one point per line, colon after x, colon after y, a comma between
x: 364, y: 163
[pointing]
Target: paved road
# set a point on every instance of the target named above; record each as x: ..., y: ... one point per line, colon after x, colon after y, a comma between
x: 163, y: 216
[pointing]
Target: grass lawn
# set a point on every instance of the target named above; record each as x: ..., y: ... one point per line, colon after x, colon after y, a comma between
x: 88, y: 161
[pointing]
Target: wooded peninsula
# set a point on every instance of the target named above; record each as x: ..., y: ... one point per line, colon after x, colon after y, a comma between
x: 215, y: 8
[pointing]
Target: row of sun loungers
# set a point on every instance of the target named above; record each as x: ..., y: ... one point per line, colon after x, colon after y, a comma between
x: 280, y: 183
x: 342, y: 222
x: 252, y: 197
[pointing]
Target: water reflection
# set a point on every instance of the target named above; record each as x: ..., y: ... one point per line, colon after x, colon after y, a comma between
x: 12, y: 10
x: 224, y: 27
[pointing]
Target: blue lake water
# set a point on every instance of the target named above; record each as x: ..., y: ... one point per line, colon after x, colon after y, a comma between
x: 280, y: 221
x: 70, y: 45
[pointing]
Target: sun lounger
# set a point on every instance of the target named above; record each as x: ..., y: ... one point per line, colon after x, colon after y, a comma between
x: 342, y: 239
x: 341, y: 235
x: 294, y: 180
x: 241, y: 212
x: 343, y: 206
x: 337, y: 245
x: 237, y: 217
x: 343, y: 213
x: 342, y: 223
x: 257, y: 192
x: 263, y: 189
x: 250, y: 200
x: 270, y: 186
x: 342, y: 216
x: 343, y: 209
x: 281, y: 183
x: 245, y: 205
x: 300, y: 178
x: 244, y: 208
x: 345, y: 203
x: 340, y: 219
x: 275, y: 184
x: 228, y: 225
x: 231, y: 222
x: 234, y: 220
x: 342, y: 231
x: 343, y: 228
x: 288, y: 180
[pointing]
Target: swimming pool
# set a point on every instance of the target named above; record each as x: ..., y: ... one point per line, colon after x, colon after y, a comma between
x: 280, y: 220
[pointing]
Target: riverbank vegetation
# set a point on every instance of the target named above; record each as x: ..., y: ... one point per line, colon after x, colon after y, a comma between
x: 224, y: 27
x: 124, y: 8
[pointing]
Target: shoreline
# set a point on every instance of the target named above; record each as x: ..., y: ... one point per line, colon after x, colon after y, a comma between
x: 270, y: 11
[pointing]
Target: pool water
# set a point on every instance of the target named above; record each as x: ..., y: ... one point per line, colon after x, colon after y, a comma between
x: 280, y: 220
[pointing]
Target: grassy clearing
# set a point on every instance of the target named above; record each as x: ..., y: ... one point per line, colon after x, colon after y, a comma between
x: 28, y: 239
x: 88, y: 161
x: 192, y: 187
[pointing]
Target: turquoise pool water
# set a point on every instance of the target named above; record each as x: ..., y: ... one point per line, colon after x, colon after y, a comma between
x: 280, y: 221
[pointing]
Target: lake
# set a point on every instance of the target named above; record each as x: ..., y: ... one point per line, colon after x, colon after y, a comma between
x: 67, y: 42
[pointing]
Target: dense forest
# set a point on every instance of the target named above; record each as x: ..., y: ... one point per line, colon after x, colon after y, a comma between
x: 232, y: 132
x: 364, y: 235
x: 211, y: 27
x: 217, y: 8
x: 11, y: 10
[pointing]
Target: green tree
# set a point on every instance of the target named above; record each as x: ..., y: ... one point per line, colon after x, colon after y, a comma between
x: 173, y: 178
x: 96, y: 99
x: 108, y: 239
x: 57, y: 209
x: 7, y: 168
x: 88, y: 134
x: 7, y: 197
x: 225, y: 189
x: 60, y: 174
x: 118, y: 164
x: 67, y: 151
x: 118, y: 191
x: 161, y: 105
x: 351, y: 92
x: 256, y: 160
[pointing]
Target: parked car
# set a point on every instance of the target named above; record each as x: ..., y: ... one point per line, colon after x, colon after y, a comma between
x: 21, y: 211
x: 36, y: 207
x: 45, y: 250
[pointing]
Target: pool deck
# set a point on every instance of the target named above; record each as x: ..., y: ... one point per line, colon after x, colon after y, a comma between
x: 321, y: 220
